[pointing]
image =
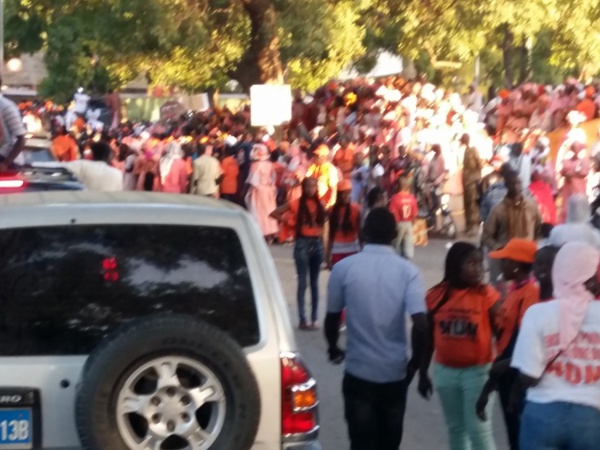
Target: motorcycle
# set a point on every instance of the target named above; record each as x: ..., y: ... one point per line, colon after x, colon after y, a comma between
x: 442, y: 215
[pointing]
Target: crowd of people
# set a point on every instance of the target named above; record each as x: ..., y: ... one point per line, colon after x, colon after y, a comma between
x: 377, y: 134
x: 355, y: 181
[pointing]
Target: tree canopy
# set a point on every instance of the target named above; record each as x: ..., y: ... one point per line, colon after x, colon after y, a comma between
x: 200, y: 44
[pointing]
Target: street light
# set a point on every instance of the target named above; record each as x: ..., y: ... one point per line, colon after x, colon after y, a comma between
x: 14, y: 65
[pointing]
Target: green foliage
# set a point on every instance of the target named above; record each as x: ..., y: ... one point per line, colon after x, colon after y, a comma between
x: 315, y: 51
x: 194, y: 44
x: 564, y: 36
x: 200, y: 44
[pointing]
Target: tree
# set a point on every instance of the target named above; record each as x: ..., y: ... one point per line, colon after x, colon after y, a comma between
x: 201, y: 44
x: 194, y: 44
x: 513, y: 37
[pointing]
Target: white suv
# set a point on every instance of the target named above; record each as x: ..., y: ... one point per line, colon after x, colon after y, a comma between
x: 145, y: 322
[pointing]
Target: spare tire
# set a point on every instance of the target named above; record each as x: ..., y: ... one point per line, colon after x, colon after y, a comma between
x: 167, y: 383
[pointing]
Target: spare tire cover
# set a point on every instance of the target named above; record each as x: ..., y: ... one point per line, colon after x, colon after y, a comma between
x: 168, y: 382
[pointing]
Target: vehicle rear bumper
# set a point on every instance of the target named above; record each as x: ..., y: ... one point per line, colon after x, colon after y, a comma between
x: 313, y: 445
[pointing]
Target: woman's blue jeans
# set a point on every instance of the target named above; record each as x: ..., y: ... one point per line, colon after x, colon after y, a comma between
x: 559, y: 426
x: 308, y: 255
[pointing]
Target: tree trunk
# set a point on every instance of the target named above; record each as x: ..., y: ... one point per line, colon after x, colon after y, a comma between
x: 507, y: 48
x: 524, y: 63
x: 213, y: 97
x: 261, y: 63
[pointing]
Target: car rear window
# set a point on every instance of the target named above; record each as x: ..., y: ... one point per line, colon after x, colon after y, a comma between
x: 62, y: 289
x: 37, y: 155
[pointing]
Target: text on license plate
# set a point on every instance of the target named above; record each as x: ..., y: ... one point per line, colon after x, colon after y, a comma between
x: 15, y: 428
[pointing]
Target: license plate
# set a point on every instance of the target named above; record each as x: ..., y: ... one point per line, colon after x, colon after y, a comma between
x: 15, y: 429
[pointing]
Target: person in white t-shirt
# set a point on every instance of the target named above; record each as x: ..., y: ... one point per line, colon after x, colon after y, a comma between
x: 558, y: 355
x: 81, y: 100
x: 97, y: 174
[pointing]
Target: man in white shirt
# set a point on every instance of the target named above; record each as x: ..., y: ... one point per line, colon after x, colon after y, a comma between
x: 207, y: 173
x: 13, y: 142
x: 97, y: 174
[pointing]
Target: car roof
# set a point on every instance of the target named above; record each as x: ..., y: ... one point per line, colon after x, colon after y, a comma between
x: 37, y: 143
x: 79, y: 198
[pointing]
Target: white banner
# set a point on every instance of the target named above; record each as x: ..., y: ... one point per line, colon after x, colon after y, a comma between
x: 270, y: 104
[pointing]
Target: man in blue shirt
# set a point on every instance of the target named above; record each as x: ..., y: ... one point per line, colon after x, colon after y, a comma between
x: 378, y: 288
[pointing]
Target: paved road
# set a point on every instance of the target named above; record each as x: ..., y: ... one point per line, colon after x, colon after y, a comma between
x: 424, y: 424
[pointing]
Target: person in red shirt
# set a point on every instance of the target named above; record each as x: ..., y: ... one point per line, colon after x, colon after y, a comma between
x: 404, y: 207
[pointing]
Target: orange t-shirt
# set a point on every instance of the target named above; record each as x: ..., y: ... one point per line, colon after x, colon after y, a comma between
x: 511, y: 313
x: 64, y: 148
x: 587, y: 107
x: 231, y: 170
x: 462, y: 328
x: 344, y: 160
x: 349, y: 236
x: 307, y: 229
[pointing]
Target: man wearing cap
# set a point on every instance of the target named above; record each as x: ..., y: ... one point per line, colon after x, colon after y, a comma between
x: 517, y: 259
x: 326, y: 175
x: 327, y: 181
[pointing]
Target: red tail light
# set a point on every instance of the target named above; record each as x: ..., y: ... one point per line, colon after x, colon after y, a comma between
x: 298, y: 399
x: 110, y: 268
x: 12, y: 184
